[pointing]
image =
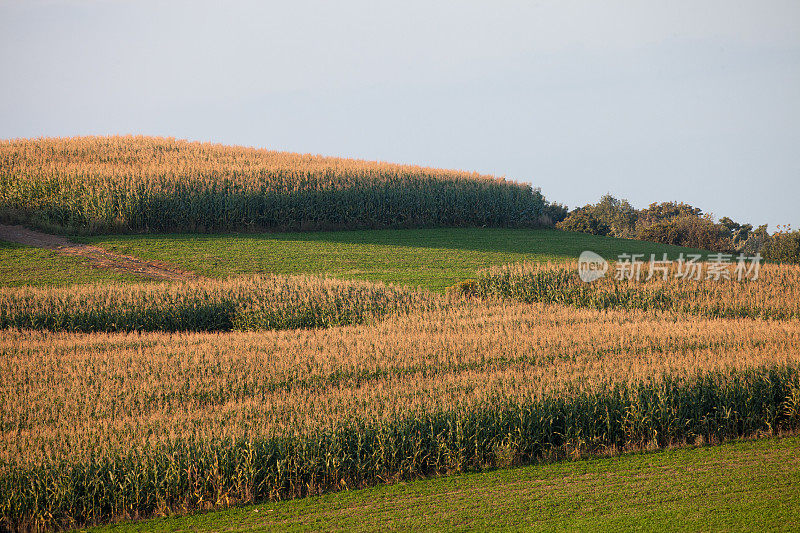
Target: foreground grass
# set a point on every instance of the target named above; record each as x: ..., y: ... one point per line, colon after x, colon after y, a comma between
x: 751, y: 485
x: 430, y: 258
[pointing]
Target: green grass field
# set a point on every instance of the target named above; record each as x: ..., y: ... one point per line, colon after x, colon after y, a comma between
x: 737, y: 486
x: 430, y: 258
x: 23, y: 265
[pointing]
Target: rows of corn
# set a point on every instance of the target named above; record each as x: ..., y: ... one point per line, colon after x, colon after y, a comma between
x: 101, y: 184
x: 104, y: 426
x: 255, y: 302
x: 774, y: 294
x: 281, y: 302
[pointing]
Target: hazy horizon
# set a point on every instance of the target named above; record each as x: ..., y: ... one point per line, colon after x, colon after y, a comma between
x: 689, y: 101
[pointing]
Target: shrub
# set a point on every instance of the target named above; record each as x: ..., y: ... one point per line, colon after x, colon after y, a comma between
x: 756, y: 239
x: 555, y: 213
x: 738, y: 233
x: 783, y: 246
x: 584, y: 221
x: 665, y: 211
x: 689, y: 231
x: 618, y: 215
x: 608, y: 217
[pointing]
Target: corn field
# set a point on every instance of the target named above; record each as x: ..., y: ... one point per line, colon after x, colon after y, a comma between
x: 104, y: 426
x: 146, y: 184
x: 125, y: 401
x: 774, y: 295
x: 256, y: 302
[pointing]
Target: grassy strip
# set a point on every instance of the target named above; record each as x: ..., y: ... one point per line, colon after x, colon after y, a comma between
x: 774, y: 295
x: 254, y: 303
x: 736, y: 486
x: 186, y: 474
x: 24, y: 265
x: 429, y: 258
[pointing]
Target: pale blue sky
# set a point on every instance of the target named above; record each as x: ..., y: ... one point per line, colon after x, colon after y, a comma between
x: 679, y: 100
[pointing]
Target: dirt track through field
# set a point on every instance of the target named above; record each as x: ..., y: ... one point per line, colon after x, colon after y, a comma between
x: 93, y: 255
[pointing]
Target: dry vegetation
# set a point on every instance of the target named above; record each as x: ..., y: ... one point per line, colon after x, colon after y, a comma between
x: 103, y: 426
x: 164, y: 185
x: 127, y: 401
x: 256, y: 302
x: 774, y: 295
x: 137, y: 400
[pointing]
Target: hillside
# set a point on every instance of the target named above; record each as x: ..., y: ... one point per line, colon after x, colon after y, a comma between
x: 125, y: 401
x: 151, y: 184
x: 430, y: 258
x: 230, y: 375
x: 107, y: 426
x: 737, y: 486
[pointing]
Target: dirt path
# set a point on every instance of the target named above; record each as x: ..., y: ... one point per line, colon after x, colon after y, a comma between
x: 94, y: 256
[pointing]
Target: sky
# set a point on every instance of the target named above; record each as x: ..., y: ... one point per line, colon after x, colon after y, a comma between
x: 695, y: 101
